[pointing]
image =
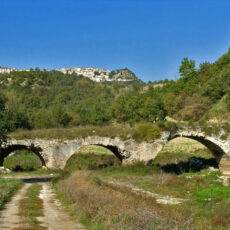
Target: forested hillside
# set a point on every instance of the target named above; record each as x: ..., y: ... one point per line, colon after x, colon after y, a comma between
x: 199, y: 92
x: 45, y: 99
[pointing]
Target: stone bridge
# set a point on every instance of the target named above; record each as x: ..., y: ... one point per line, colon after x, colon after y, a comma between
x: 55, y: 153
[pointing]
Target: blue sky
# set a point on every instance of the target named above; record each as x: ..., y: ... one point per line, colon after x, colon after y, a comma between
x: 150, y: 37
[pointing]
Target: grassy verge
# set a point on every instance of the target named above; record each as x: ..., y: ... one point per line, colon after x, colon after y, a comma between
x: 7, y: 189
x: 31, y: 207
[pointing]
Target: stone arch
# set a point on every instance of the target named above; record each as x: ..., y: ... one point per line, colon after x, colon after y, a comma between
x: 215, y: 149
x: 119, y: 148
x: 11, y: 148
x: 114, y: 150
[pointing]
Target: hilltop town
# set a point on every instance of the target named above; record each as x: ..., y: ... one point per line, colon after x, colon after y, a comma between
x: 95, y: 74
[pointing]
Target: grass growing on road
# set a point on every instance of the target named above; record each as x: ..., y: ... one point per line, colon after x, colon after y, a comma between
x: 31, y: 207
x: 7, y: 189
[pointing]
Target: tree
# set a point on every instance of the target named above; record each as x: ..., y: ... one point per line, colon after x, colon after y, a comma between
x: 3, y: 131
x: 127, y: 107
x: 187, y: 68
x: 152, y: 110
x: 2, y: 102
x: 60, y: 116
x: 227, y: 101
x: 10, y: 119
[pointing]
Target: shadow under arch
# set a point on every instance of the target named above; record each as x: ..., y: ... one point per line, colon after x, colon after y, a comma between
x: 216, y: 150
x: 191, y: 163
x: 113, y: 149
x: 6, y: 151
x: 95, y: 158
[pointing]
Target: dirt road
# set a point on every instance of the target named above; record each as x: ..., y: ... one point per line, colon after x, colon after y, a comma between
x: 9, y: 217
x: 54, y: 217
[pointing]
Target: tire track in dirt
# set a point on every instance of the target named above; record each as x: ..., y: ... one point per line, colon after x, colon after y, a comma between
x: 9, y: 215
x: 55, y: 217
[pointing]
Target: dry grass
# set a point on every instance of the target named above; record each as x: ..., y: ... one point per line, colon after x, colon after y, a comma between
x: 103, y: 206
x: 221, y: 215
x: 30, y: 228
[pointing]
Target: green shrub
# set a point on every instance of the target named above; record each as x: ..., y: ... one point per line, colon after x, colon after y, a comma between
x: 224, y: 136
x: 161, y: 124
x: 226, y: 127
x: 146, y: 132
x: 171, y: 126
x: 227, y: 101
x: 209, y: 130
x: 22, y: 161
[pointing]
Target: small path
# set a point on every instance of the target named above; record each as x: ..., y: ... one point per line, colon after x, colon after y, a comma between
x: 9, y: 217
x: 55, y: 217
x: 160, y: 199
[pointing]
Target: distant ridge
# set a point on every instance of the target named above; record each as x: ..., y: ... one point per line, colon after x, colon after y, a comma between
x: 93, y: 73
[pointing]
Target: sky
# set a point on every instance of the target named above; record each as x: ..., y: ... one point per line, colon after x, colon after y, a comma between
x: 150, y: 37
